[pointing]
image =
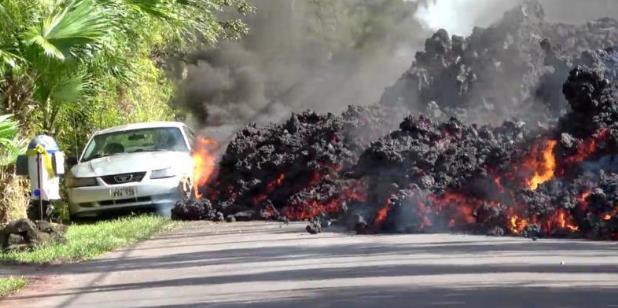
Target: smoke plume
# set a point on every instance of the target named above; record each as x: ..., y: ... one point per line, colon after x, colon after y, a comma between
x: 325, y: 55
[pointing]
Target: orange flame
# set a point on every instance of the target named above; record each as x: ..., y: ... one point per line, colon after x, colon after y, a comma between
x: 205, y: 163
x: 302, y: 209
x: 381, y: 214
x: 562, y: 220
x: 609, y: 216
x: 461, y: 207
x: 517, y: 224
x: 588, y: 147
x: 544, y: 167
x: 270, y: 187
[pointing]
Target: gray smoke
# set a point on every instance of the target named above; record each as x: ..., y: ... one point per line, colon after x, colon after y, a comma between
x: 302, y: 54
x: 325, y: 55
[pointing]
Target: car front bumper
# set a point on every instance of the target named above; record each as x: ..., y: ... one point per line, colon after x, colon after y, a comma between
x: 150, y: 193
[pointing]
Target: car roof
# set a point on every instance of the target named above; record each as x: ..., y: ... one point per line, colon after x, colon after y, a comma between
x: 135, y: 126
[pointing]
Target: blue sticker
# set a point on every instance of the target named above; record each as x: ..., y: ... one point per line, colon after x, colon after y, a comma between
x: 36, y: 192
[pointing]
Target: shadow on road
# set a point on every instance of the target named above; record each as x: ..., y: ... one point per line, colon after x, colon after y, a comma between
x: 214, y: 260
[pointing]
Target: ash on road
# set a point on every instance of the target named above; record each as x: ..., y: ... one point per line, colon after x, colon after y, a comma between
x: 274, y: 265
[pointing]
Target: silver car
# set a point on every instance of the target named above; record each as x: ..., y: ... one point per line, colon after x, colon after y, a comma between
x: 145, y: 165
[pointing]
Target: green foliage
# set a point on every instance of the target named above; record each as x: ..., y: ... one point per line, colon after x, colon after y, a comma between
x: 68, y: 67
x: 87, y: 241
x: 10, y: 285
x: 10, y: 144
x: 68, y: 27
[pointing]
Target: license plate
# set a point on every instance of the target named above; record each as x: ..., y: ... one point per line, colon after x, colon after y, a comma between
x: 124, y: 193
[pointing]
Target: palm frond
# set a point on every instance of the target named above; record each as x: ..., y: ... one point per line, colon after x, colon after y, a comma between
x: 8, y: 128
x: 69, y: 88
x: 80, y: 22
x: 158, y: 8
x: 10, y: 145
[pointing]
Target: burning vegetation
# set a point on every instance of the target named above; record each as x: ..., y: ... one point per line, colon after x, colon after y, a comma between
x: 436, y: 172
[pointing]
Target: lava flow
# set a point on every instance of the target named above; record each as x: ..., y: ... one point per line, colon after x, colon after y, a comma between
x: 372, y: 171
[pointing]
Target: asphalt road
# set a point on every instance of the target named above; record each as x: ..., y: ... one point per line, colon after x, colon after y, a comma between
x: 274, y: 265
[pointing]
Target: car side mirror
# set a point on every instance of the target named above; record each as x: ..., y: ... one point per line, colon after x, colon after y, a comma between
x: 71, y: 161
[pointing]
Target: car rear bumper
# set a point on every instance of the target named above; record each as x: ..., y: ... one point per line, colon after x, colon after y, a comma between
x: 88, y: 201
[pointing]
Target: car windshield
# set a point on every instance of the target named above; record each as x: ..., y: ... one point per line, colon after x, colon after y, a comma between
x: 139, y: 140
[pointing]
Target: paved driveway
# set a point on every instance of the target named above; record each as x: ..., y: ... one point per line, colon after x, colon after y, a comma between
x: 274, y: 265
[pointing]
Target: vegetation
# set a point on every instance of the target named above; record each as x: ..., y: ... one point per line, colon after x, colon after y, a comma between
x: 11, y: 285
x: 10, y: 145
x: 12, y: 196
x: 84, y: 242
x: 69, y: 67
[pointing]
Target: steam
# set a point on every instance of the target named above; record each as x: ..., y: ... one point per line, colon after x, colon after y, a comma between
x: 461, y: 16
x: 325, y: 55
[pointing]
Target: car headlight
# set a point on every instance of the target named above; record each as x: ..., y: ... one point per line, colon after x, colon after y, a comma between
x: 81, y: 182
x: 163, y: 173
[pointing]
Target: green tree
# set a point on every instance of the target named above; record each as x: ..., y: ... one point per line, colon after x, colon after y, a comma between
x: 68, y: 67
x: 10, y: 144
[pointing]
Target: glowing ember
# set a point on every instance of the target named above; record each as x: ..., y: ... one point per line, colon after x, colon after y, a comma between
x: 381, y: 214
x: 302, y: 209
x: 544, y: 167
x: 561, y: 220
x: 460, y: 207
x: 517, y: 224
x: 205, y: 163
x: 588, y: 147
x: 270, y: 187
x: 609, y: 216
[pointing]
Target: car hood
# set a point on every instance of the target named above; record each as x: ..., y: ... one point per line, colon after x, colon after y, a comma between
x: 132, y: 162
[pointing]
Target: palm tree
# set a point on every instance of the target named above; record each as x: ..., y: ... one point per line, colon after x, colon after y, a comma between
x: 10, y: 145
x: 56, y: 46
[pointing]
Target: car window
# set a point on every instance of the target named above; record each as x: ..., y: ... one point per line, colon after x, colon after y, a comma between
x: 132, y: 141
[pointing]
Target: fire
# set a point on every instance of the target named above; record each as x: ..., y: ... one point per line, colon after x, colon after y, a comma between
x: 461, y: 207
x: 544, y: 167
x: 588, y: 147
x: 204, y: 162
x: 609, y: 216
x: 517, y: 224
x: 270, y: 187
x: 302, y: 209
x: 381, y: 214
x: 561, y: 220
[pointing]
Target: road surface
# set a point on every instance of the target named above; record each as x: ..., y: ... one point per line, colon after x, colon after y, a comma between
x: 274, y: 265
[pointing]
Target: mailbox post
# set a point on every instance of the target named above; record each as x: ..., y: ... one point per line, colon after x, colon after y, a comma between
x: 43, y: 163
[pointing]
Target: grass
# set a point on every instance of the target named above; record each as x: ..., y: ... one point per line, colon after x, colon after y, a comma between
x: 11, y: 285
x: 87, y: 241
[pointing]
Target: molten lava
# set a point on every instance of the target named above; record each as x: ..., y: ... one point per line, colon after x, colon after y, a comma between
x: 270, y: 187
x: 560, y: 221
x: 543, y: 166
x: 381, y: 214
x: 588, y: 147
x: 517, y: 224
x: 204, y: 159
x: 302, y: 209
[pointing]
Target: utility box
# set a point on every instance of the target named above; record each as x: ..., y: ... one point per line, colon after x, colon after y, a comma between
x: 43, y: 164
